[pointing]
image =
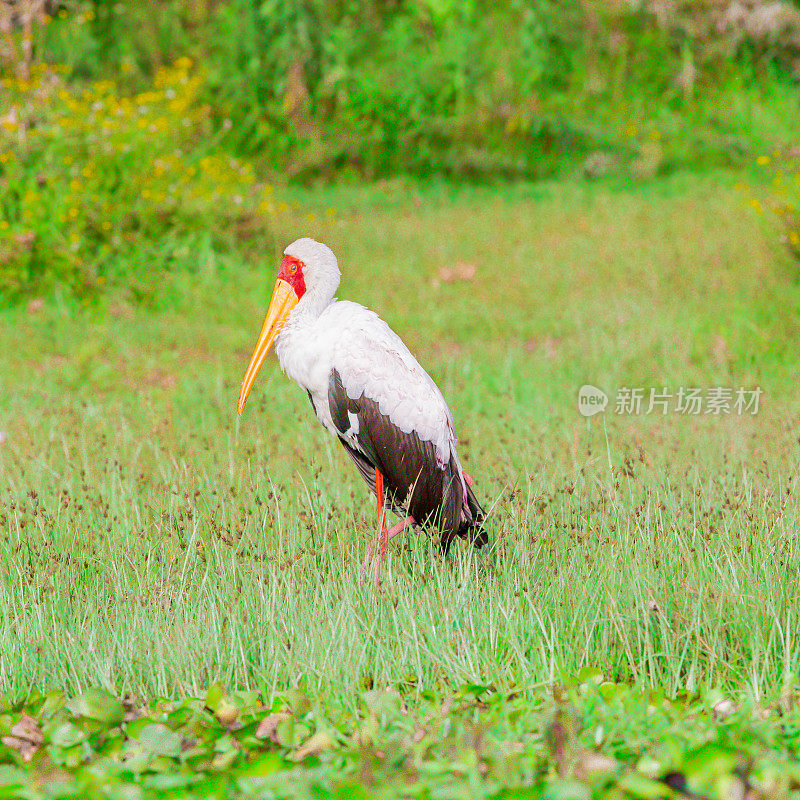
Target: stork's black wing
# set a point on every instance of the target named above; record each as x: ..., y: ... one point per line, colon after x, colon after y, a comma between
x: 414, y: 482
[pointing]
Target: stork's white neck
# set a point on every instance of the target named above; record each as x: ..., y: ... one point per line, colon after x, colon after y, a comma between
x: 305, y: 351
x: 309, y: 308
x: 305, y: 345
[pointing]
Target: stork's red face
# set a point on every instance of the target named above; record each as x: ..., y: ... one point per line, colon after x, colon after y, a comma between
x: 289, y: 288
x: 291, y: 271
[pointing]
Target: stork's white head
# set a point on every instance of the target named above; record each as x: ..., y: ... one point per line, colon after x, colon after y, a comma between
x: 307, y: 281
x: 317, y: 268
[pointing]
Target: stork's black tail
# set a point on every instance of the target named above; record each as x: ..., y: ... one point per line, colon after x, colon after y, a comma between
x: 471, y: 528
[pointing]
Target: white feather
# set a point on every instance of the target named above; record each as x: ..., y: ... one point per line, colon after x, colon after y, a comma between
x: 371, y: 360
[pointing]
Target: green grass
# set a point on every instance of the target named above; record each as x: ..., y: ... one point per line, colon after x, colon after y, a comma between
x: 153, y: 544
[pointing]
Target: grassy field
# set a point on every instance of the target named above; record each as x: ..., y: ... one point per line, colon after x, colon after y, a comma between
x: 631, y: 631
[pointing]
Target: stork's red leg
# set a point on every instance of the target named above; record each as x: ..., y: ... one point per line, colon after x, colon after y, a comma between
x: 379, y: 488
x: 395, y: 530
x: 400, y: 527
x: 382, y: 529
x: 370, y: 558
x: 381, y: 512
x: 386, y: 534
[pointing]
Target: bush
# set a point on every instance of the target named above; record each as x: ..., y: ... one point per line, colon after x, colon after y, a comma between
x: 91, y: 175
x: 325, y: 88
x: 784, y: 200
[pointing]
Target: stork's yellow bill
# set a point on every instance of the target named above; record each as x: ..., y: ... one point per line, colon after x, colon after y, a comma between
x: 289, y: 288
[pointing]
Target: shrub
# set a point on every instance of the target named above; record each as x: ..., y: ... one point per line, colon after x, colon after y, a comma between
x: 89, y: 175
x: 784, y: 200
x: 324, y: 88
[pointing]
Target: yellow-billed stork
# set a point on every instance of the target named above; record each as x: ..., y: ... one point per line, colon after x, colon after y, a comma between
x: 371, y: 393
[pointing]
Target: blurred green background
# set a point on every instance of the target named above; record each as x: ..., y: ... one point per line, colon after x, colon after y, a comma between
x: 161, y: 126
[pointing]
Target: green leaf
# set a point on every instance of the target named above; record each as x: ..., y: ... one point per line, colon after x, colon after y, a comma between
x: 226, y: 712
x: 567, y: 790
x: 475, y: 689
x: 709, y: 760
x: 167, y: 782
x: 160, y: 740
x: 313, y: 746
x: 353, y: 791
x: 263, y: 765
x: 225, y: 743
x: 98, y: 704
x: 610, y: 691
x: 11, y: 778
x: 224, y: 760
x: 66, y: 735
x: 382, y: 702
x: 72, y: 757
x: 285, y: 732
x: 214, y: 696
x: 135, y: 727
x: 642, y: 787
x: 298, y: 702
x: 53, y: 702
